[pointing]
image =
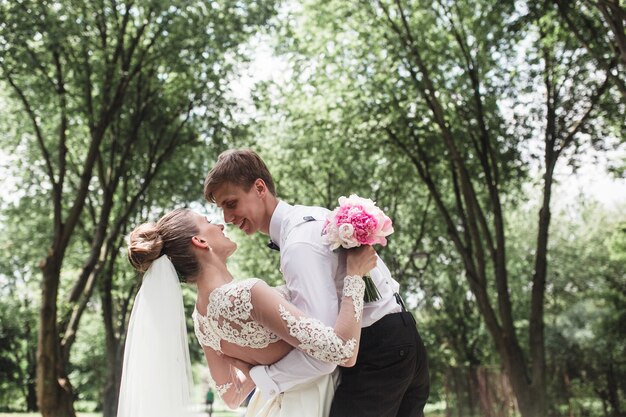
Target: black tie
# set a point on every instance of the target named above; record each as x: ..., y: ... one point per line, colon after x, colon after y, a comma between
x: 273, y: 246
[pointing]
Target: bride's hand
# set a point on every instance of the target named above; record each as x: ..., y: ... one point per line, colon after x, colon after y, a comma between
x: 361, y: 260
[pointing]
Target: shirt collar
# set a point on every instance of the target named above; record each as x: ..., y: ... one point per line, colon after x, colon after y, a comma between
x: 280, y: 213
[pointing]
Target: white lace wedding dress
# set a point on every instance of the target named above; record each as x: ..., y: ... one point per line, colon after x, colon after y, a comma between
x: 255, y: 323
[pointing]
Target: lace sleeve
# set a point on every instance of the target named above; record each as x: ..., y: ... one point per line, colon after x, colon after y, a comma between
x: 231, y: 384
x: 202, y: 328
x: 338, y: 345
x: 283, y: 290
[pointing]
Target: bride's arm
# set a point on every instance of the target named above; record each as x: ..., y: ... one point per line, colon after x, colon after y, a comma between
x: 338, y: 344
x: 231, y: 376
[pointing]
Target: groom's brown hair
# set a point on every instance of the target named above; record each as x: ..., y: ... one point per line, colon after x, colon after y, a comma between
x: 241, y: 167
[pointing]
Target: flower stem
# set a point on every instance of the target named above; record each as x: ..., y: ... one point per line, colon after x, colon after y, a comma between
x: 371, y: 292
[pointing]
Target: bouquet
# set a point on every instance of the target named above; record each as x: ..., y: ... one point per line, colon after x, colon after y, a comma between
x: 358, y: 221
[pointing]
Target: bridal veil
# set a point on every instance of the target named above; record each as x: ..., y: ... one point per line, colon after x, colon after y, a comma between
x: 156, y: 375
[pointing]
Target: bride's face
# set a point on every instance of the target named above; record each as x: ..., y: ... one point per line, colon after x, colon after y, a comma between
x: 214, y: 235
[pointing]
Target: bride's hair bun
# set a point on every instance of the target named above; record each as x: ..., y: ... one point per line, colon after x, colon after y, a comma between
x: 144, y: 246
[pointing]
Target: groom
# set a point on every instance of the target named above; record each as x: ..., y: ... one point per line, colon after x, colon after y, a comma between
x: 390, y: 378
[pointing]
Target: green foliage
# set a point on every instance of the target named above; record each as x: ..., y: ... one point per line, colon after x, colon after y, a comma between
x: 115, y: 110
x: 351, y: 113
x: 18, y: 330
x: 89, y: 362
x: 588, y: 315
x: 254, y: 259
x: 617, y: 243
x: 364, y: 107
x: 18, y: 341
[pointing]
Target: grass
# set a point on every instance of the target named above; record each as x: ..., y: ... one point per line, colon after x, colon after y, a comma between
x: 219, y: 410
x: 216, y: 413
x: 39, y: 415
x: 432, y: 410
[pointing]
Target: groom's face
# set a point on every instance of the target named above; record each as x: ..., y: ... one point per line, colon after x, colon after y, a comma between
x: 244, y: 209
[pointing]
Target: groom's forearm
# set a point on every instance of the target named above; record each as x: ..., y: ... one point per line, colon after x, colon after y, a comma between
x: 294, y: 369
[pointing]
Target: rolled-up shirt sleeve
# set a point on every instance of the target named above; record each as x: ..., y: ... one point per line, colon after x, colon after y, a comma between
x: 308, y: 269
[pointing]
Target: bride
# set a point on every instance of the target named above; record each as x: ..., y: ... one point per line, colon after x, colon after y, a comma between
x: 239, y: 324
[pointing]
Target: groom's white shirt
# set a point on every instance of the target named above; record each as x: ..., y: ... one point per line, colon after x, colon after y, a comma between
x: 314, y: 276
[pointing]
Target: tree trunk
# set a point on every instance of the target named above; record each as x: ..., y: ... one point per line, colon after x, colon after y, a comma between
x: 472, y: 383
x: 112, y: 383
x: 114, y: 352
x: 114, y: 342
x: 459, y: 391
x: 530, y: 396
x: 54, y: 392
x: 568, y: 393
x: 613, y: 391
x: 30, y: 390
x: 31, y: 386
x: 31, y: 398
x: 446, y: 393
x: 531, y: 408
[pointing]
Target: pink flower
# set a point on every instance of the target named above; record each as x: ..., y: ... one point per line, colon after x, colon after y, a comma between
x: 357, y: 221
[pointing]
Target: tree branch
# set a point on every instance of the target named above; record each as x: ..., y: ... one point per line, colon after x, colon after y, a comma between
x: 38, y: 134
x: 574, y: 28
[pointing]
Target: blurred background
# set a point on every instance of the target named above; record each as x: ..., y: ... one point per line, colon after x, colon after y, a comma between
x: 491, y: 131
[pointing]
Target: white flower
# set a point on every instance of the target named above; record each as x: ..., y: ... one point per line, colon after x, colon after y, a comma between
x: 345, y: 233
x: 355, y: 200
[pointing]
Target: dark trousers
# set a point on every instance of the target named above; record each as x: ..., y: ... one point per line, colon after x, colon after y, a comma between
x: 390, y: 378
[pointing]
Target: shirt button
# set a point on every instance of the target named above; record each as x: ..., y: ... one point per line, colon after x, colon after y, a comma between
x: 272, y: 392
